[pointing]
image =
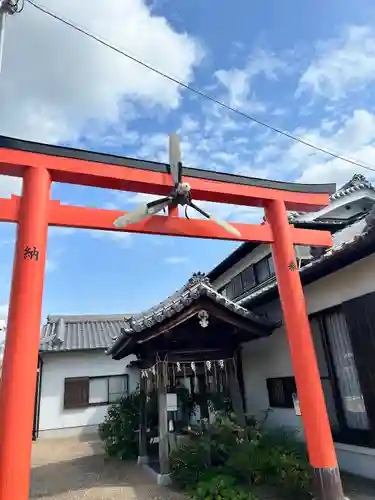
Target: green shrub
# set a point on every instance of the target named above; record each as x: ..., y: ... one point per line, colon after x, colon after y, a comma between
x: 220, y: 402
x: 292, y: 476
x: 274, y: 458
x: 188, y: 463
x: 291, y: 471
x: 221, y: 487
x: 247, y: 457
x: 118, y: 431
x: 224, y: 436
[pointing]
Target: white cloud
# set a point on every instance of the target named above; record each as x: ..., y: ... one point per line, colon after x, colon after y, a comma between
x: 120, y: 238
x: 3, y: 314
x: 57, y: 81
x: 7, y: 242
x: 62, y: 79
x: 176, y: 260
x: 3, y: 320
x: 237, y: 81
x: 55, y: 231
x: 352, y: 137
x: 9, y: 185
x: 279, y: 112
x: 51, y: 265
x: 358, y: 130
x: 342, y: 64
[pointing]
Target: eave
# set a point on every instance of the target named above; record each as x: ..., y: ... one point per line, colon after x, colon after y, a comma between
x: 197, y: 295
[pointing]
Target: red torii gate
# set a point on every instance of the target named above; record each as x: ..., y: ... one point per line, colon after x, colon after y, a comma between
x: 39, y: 165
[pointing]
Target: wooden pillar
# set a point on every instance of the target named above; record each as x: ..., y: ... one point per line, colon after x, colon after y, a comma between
x: 142, y: 436
x: 163, y: 417
x: 235, y: 392
x: 173, y: 211
x: 241, y: 382
x: 318, y: 434
x: 23, y: 335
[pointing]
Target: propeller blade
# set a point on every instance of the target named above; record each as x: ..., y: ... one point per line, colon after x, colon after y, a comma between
x: 225, y: 225
x: 175, y: 158
x: 137, y: 215
x: 142, y: 212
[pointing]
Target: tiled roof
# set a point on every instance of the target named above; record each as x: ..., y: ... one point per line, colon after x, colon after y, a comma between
x: 356, y: 183
x: 197, y: 286
x: 345, y: 240
x: 76, y: 333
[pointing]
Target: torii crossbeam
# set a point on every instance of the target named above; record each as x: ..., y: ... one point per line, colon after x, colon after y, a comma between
x: 34, y: 211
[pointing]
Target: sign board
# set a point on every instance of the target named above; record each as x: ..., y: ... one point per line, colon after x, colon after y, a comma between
x: 172, y: 401
x: 296, y: 404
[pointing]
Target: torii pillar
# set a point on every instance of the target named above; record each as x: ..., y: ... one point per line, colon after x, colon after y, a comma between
x: 21, y: 348
x: 314, y: 415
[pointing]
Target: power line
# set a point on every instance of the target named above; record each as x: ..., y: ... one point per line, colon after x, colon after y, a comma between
x: 199, y: 92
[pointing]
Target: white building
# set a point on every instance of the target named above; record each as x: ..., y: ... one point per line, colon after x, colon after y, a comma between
x: 339, y: 286
x: 76, y: 380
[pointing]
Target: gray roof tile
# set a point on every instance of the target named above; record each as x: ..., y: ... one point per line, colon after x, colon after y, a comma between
x: 356, y: 183
x: 76, y: 333
x: 197, y: 286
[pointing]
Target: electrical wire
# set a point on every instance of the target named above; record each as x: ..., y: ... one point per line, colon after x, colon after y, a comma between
x: 20, y: 5
x: 198, y: 92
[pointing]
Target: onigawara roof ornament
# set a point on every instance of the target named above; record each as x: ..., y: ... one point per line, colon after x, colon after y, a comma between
x: 180, y: 195
x: 198, y: 277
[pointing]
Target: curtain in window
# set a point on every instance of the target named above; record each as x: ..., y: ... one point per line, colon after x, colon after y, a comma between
x: 262, y: 270
x: 271, y: 266
x: 346, y: 371
x: 98, y: 392
x: 116, y: 388
x: 248, y: 278
x: 324, y: 373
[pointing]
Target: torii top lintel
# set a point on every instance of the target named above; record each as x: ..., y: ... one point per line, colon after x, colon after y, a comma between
x: 87, y: 168
x: 108, y: 171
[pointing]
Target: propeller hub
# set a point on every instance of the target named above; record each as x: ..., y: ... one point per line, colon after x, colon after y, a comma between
x: 183, y: 188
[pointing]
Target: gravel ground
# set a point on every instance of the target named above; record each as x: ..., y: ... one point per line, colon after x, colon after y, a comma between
x: 69, y: 469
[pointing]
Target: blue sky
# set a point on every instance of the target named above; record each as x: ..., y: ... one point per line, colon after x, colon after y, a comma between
x: 306, y: 67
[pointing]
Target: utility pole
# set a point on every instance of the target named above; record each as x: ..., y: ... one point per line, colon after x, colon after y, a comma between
x: 7, y: 7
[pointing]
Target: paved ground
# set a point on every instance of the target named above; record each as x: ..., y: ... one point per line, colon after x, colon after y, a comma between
x: 359, y: 489
x: 69, y: 469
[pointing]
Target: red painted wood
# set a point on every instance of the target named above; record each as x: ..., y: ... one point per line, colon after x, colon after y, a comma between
x: 305, y: 367
x: 18, y: 382
x: 73, y: 171
x: 102, y: 219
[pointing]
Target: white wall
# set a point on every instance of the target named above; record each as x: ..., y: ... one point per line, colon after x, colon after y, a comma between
x: 54, y: 420
x: 270, y: 357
